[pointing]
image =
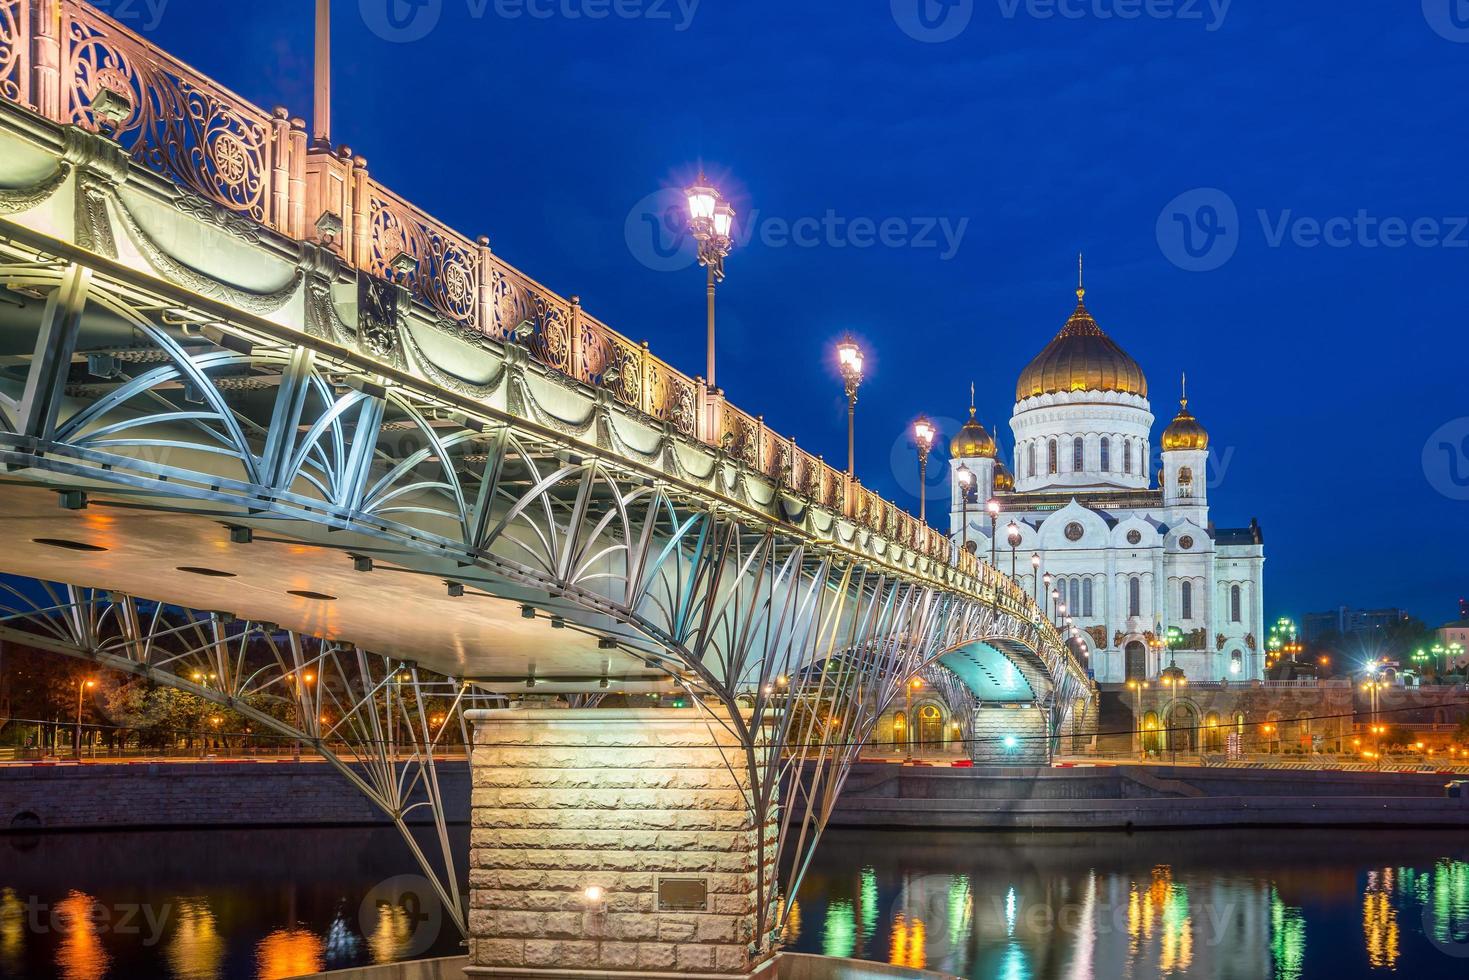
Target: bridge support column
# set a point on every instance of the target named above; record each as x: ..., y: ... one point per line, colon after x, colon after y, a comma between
x: 1011, y: 735
x: 612, y: 843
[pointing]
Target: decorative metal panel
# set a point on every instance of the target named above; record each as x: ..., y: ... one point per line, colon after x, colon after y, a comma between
x: 15, y: 50
x: 445, y: 275
x: 178, y: 122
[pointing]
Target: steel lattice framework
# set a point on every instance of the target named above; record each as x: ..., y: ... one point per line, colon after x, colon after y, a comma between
x: 175, y: 341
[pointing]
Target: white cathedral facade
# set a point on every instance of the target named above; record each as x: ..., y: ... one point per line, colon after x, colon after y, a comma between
x: 1131, y: 563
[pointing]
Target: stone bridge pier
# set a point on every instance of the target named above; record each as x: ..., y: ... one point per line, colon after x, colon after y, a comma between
x: 614, y: 843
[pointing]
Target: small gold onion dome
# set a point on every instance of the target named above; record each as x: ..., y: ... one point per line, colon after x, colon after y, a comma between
x: 973, y: 442
x: 1081, y: 358
x: 1184, y: 432
x: 1004, y: 479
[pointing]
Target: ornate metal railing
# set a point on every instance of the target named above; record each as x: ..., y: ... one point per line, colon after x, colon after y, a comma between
x: 76, y: 66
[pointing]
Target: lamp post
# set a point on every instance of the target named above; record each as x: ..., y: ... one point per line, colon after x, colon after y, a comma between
x: 82, y: 687
x: 1055, y: 599
x: 1012, y: 535
x: 966, y: 480
x: 923, y: 436
x: 849, y: 357
x: 1137, y: 687
x: 711, y: 222
x: 994, y: 508
x: 1035, y: 575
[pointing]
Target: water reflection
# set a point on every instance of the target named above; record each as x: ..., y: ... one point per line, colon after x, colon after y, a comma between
x: 1380, y: 919
x: 81, y: 955
x: 204, y: 905
x: 1240, y: 905
x: 196, y: 948
x: 290, y: 953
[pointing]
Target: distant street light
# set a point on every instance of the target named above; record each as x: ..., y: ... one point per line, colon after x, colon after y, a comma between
x: 849, y: 357
x: 1012, y: 535
x: 966, y: 480
x: 1035, y: 575
x: 994, y: 508
x: 83, y: 686
x: 711, y: 222
x: 923, y: 436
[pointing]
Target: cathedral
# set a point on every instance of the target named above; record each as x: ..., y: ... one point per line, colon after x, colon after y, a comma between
x: 1152, y: 586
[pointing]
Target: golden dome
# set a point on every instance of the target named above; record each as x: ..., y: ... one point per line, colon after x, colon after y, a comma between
x: 1184, y: 432
x: 973, y: 442
x: 1004, y: 479
x: 1081, y: 358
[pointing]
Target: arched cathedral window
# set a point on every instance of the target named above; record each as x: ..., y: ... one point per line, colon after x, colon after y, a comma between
x: 1106, y: 455
x: 1078, y: 455
x: 1234, y: 604
x: 1086, y: 597
x: 1186, y: 607
x: 1031, y: 467
x: 1054, y: 463
x: 1127, y: 456
x: 1134, y: 596
x: 1075, y: 601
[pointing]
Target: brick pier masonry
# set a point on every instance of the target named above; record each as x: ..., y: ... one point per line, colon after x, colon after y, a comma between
x: 612, y: 842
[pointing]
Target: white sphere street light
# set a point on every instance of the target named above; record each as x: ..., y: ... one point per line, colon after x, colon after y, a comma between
x: 711, y: 222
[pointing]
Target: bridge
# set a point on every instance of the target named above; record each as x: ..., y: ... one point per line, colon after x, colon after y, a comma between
x: 274, y: 436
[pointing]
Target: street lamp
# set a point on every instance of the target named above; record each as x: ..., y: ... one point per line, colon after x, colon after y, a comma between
x: 923, y: 436
x: 966, y: 480
x: 1055, y: 599
x: 1012, y: 535
x: 711, y: 221
x: 1137, y: 687
x: 83, y: 686
x: 849, y: 357
x: 1035, y: 575
x: 994, y: 508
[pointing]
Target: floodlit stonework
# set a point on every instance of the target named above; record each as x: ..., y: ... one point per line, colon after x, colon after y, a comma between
x: 579, y: 816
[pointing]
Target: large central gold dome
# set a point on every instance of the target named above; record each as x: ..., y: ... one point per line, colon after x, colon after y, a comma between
x: 1081, y: 358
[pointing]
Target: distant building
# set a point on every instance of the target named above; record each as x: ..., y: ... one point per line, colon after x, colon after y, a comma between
x: 1349, y: 622
x: 1129, y: 557
x: 1457, y: 632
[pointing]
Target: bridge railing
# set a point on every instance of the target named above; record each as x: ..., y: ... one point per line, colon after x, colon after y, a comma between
x: 72, y: 64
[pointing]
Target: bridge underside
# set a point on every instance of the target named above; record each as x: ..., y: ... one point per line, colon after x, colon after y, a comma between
x: 402, y: 607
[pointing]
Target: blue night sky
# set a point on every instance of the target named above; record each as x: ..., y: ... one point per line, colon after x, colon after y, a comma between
x: 1325, y: 373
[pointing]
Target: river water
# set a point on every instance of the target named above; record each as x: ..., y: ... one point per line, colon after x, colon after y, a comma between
x: 264, y: 904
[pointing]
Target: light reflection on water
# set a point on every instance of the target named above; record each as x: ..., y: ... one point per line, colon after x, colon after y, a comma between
x: 205, y: 905
x: 1239, y: 905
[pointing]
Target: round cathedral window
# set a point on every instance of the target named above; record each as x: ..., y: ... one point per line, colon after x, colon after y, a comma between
x: 1134, y: 536
x: 1186, y: 542
x: 1074, y: 531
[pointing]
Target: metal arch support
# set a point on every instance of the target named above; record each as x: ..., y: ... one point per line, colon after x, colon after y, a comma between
x: 375, y: 708
x: 801, y: 642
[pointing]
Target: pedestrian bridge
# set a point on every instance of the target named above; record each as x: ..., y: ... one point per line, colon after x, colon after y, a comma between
x: 261, y: 417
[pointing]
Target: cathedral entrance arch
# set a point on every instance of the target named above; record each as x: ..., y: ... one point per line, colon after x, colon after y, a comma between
x: 1136, y: 654
x: 1182, y: 723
